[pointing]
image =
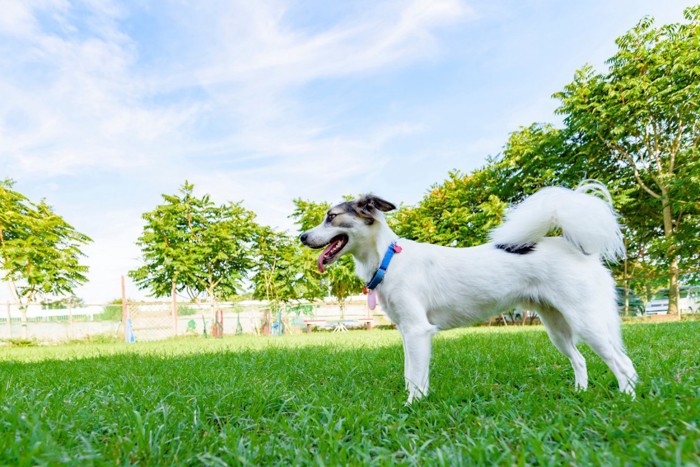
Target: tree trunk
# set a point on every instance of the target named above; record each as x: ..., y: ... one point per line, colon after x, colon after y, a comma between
x: 673, y: 289
x: 173, y: 292
x: 9, y: 321
x: 670, y: 254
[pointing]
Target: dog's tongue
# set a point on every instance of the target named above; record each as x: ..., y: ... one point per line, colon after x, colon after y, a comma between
x: 325, y: 255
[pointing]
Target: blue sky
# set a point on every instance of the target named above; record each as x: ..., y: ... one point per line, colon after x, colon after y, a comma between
x: 106, y: 105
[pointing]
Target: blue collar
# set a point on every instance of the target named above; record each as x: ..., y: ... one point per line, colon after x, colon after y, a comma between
x: 378, y: 276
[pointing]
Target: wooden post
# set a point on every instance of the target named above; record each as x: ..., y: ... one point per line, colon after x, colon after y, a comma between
x: 125, y: 307
x: 9, y: 321
x: 23, y: 320
x: 71, y: 334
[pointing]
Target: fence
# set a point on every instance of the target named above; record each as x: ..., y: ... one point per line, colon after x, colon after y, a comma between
x: 148, y: 321
x: 56, y: 324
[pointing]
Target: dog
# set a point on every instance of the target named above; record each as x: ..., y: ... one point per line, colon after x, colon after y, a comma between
x: 426, y: 288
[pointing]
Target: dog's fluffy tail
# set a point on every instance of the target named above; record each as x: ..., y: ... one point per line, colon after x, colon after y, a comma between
x: 586, y: 220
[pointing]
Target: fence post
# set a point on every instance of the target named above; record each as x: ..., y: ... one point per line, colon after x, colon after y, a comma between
x: 9, y: 321
x: 125, y: 309
x: 71, y: 331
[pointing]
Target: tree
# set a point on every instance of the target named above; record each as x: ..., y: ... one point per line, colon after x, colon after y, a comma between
x: 340, y: 279
x: 644, y: 112
x: 538, y: 156
x: 280, y: 274
x: 191, y: 245
x: 458, y: 212
x: 39, y: 251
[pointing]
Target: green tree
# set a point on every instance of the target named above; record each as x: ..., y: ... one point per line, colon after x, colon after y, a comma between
x: 644, y: 112
x: 458, y: 212
x: 280, y: 274
x: 40, y: 252
x: 538, y: 156
x: 191, y: 245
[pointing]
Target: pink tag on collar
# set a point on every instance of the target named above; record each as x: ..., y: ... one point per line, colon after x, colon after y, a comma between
x: 397, y: 249
x: 372, y: 299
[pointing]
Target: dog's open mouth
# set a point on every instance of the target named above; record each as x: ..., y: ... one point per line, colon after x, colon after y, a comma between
x: 332, y: 251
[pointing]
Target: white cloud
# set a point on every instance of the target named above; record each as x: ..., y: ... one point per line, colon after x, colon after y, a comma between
x: 77, y: 95
x: 112, y: 254
x: 78, y: 98
x: 88, y: 105
x: 262, y: 46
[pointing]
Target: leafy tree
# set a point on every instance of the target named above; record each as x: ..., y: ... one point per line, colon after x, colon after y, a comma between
x: 458, y: 212
x: 340, y: 279
x: 644, y: 113
x: 191, y: 245
x: 280, y: 275
x: 541, y: 155
x: 39, y: 251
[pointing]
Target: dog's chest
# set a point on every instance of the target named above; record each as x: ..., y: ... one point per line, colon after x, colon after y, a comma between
x: 387, y: 308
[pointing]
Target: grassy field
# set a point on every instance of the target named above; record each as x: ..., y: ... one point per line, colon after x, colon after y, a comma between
x: 502, y: 396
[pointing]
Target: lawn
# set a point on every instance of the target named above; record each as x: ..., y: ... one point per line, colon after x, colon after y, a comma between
x: 499, y: 395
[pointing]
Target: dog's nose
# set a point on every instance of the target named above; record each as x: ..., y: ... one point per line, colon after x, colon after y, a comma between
x: 303, y: 237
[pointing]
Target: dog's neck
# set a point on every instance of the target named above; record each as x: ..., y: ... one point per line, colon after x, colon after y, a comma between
x: 369, y: 257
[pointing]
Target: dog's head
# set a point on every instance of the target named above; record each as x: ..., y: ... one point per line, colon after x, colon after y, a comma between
x: 345, y: 227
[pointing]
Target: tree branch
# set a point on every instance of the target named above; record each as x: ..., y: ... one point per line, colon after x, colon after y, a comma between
x: 650, y: 151
x: 675, y: 146
x: 656, y: 153
x: 630, y: 160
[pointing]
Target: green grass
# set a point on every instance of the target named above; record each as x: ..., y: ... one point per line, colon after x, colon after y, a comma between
x: 498, y: 396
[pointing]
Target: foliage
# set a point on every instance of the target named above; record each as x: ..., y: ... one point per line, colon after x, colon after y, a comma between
x: 39, y: 251
x: 112, y: 312
x: 643, y: 112
x: 337, y: 399
x: 308, y: 214
x: 60, y: 303
x: 22, y: 342
x: 541, y: 155
x: 184, y: 310
x: 279, y: 274
x: 459, y: 212
x: 200, y: 248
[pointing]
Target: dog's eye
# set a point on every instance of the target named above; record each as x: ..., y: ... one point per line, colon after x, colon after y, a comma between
x: 330, y: 217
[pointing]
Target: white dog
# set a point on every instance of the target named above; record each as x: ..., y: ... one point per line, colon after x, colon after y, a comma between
x: 426, y: 288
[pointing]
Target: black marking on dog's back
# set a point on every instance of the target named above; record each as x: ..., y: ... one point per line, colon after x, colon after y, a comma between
x: 517, y: 249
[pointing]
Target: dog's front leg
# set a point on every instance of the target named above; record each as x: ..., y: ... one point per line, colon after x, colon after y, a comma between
x: 417, y: 343
x: 406, y: 362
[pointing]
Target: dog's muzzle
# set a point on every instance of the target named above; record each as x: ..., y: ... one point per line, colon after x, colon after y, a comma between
x: 333, y: 248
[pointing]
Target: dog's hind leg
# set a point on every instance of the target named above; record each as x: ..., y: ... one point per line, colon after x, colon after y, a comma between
x: 563, y: 338
x: 605, y: 340
x: 417, y: 343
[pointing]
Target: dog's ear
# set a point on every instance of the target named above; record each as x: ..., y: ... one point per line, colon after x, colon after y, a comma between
x: 369, y: 203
